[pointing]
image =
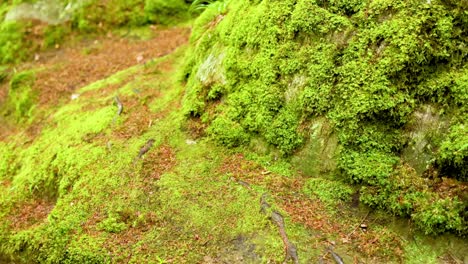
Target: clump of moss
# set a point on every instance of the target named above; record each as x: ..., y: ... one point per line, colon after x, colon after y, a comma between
x: 21, y: 99
x: 365, y: 66
x: 166, y: 12
x: 117, y: 13
x: 454, y: 152
x: 330, y: 192
x: 12, y: 42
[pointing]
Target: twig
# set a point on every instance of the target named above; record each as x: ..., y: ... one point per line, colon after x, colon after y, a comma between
x: 458, y: 261
x: 362, y: 221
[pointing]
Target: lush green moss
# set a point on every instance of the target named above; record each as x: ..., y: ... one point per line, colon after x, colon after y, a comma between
x: 228, y: 132
x: 115, y: 13
x: 12, y: 42
x: 21, y: 99
x: 330, y: 192
x: 454, y: 152
x: 366, y: 66
x: 166, y: 12
x: 162, y: 201
x: 7, y: 155
x: 18, y: 42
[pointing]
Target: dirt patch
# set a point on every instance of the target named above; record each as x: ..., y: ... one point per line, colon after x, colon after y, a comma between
x: 449, y: 188
x: 305, y: 211
x: 239, y: 167
x: 137, y: 121
x: 157, y: 162
x: 5, y: 129
x: 3, y: 92
x: 195, y: 127
x: 30, y: 214
x: 70, y: 68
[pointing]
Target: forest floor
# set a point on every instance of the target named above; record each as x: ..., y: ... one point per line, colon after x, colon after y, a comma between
x: 146, y: 186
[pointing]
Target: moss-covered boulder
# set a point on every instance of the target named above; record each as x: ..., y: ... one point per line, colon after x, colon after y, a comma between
x: 367, y: 67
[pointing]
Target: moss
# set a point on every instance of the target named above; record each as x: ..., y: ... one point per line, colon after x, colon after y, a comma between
x: 19, y: 40
x: 21, y: 99
x: 441, y: 215
x: 70, y: 165
x: 112, y: 224
x: 227, y: 132
x: 12, y: 42
x: 6, y: 168
x: 4, y: 73
x: 365, y: 67
x: 54, y: 35
x: 166, y: 12
x: 328, y: 191
x: 454, y: 152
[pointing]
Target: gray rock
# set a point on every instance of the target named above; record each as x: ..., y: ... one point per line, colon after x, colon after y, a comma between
x: 211, y: 70
x: 52, y: 12
x: 425, y: 128
x: 319, y: 155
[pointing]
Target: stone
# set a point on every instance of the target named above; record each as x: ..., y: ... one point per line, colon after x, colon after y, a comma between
x: 52, y: 12
x: 425, y: 127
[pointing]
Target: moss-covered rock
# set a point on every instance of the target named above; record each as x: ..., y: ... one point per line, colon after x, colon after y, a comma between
x: 365, y: 66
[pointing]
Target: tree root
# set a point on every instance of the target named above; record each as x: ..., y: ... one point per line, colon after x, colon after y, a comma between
x: 145, y: 148
x: 277, y: 218
x: 119, y: 105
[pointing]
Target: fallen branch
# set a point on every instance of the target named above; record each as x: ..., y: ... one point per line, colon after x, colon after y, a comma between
x: 277, y: 218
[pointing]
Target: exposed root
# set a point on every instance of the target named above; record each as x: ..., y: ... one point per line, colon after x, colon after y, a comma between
x: 277, y: 218
x: 119, y: 105
x: 335, y: 256
x: 145, y: 148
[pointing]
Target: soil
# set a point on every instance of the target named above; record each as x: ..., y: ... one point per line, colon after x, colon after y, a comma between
x: 29, y: 214
x: 74, y: 67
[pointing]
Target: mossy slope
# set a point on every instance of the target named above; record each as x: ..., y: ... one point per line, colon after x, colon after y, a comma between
x: 78, y: 193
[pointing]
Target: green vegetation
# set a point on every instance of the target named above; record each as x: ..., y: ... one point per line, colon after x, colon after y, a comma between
x: 338, y: 112
x: 12, y: 42
x: 21, y: 97
x: 79, y: 161
x: 271, y: 68
x: 330, y: 192
x: 20, y: 39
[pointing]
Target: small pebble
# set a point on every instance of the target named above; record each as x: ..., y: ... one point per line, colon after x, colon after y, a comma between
x: 190, y: 142
x: 140, y: 58
x: 364, y: 227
